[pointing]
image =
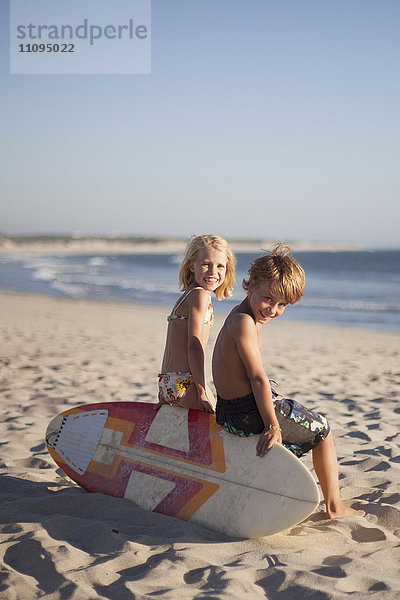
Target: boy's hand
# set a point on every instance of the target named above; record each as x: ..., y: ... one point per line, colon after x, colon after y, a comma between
x: 267, y: 439
x: 206, y: 404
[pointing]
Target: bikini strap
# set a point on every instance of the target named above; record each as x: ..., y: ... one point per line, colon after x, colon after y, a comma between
x: 184, y: 298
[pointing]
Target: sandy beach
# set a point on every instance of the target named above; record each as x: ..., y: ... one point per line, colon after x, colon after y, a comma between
x: 59, y: 542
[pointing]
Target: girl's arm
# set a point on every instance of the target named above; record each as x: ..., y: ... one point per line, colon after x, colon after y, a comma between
x: 246, y: 339
x: 197, y: 336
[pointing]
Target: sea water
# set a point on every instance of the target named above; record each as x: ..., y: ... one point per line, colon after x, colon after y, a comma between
x: 352, y: 288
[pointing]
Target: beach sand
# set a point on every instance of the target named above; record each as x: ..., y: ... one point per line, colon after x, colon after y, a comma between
x: 59, y: 542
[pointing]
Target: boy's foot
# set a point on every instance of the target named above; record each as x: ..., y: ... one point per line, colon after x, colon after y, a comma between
x: 343, y: 511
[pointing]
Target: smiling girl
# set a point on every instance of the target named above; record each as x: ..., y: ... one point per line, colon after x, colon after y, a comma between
x: 208, y: 266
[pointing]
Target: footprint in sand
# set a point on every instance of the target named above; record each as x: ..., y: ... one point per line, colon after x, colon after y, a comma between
x: 368, y: 534
x: 206, y: 578
x: 30, y: 558
x: 34, y: 463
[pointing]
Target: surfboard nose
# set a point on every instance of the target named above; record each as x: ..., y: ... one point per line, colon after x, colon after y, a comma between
x: 75, y: 437
x: 52, y: 430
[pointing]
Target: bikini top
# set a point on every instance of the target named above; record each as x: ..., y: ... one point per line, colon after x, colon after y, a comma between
x: 209, y: 317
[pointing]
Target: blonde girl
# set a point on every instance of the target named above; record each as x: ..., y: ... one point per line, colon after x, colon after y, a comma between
x: 207, y: 266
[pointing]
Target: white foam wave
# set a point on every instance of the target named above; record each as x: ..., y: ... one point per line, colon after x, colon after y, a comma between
x: 97, y: 261
x: 44, y: 274
x: 175, y: 259
x: 74, y: 290
x: 351, y: 304
x: 148, y: 286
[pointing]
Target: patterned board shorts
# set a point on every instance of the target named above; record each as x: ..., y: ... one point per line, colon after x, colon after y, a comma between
x: 302, y: 429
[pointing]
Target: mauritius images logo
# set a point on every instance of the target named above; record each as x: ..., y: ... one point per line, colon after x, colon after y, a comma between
x: 84, y: 31
x: 75, y: 37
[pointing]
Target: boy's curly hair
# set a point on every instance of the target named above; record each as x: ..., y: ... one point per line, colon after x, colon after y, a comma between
x: 283, y: 274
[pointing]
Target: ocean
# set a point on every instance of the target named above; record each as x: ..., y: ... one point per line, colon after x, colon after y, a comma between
x: 350, y: 288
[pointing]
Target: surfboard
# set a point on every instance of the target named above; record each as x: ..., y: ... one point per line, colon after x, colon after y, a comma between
x: 181, y: 463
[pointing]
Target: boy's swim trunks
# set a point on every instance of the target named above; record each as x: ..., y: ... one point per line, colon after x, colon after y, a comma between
x: 173, y: 385
x: 302, y: 429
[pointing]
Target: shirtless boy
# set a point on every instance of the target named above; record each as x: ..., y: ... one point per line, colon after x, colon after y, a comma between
x: 246, y: 403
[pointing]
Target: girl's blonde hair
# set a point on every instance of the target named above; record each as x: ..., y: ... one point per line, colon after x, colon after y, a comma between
x: 195, y: 245
x: 283, y: 274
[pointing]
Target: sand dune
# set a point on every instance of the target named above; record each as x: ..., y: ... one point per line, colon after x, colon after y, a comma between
x: 60, y: 542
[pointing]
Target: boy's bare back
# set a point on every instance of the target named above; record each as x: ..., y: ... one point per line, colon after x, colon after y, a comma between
x: 229, y: 372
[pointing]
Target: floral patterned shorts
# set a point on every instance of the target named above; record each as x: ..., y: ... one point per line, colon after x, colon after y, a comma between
x: 302, y: 429
x: 173, y: 385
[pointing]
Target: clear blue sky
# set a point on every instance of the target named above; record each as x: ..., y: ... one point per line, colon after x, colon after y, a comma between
x: 263, y: 118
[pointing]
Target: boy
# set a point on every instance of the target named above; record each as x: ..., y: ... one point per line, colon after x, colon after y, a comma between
x: 245, y: 403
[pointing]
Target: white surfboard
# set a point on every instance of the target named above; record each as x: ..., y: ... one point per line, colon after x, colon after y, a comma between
x: 179, y: 462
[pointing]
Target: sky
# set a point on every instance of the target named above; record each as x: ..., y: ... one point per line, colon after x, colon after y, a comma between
x: 260, y: 118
